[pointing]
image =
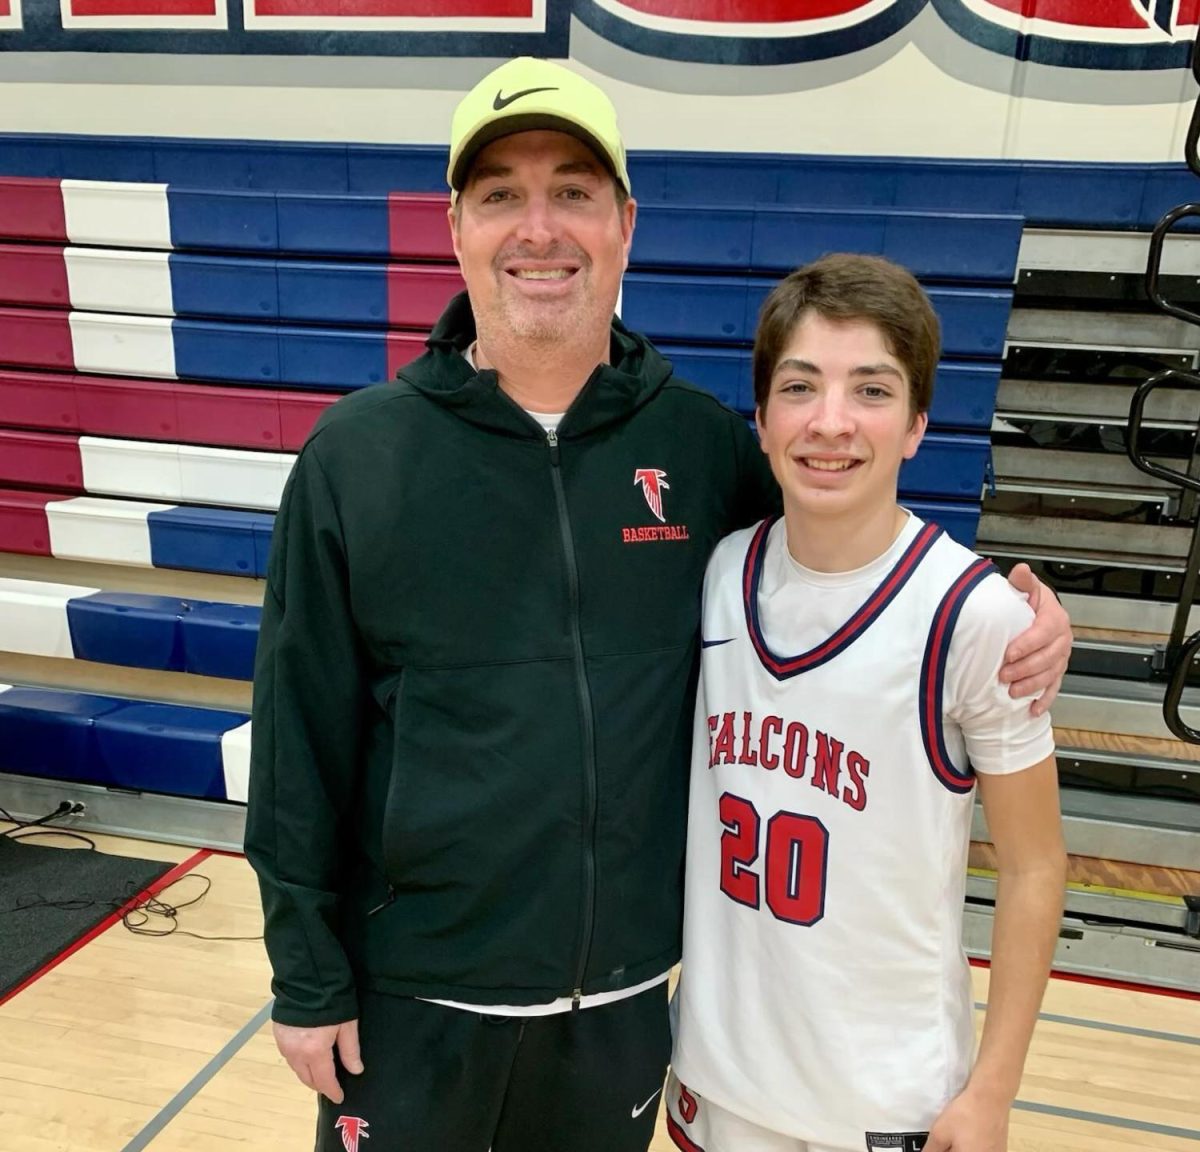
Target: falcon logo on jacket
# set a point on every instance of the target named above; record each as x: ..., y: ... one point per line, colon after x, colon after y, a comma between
x: 653, y: 482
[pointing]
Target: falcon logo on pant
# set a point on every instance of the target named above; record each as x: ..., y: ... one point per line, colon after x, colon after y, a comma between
x: 352, y: 1129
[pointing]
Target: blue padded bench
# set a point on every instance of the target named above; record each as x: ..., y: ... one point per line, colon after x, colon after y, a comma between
x: 164, y: 748
x: 160, y: 632
x: 724, y: 309
x: 120, y: 743
x: 50, y: 734
x: 732, y: 238
x: 211, y: 540
x: 961, y: 521
x: 964, y: 394
x: 1047, y: 193
x: 947, y: 466
x: 220, y: 640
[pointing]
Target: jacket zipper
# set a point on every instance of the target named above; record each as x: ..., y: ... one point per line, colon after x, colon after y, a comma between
x: 587, y: 921
x: 391, y: 896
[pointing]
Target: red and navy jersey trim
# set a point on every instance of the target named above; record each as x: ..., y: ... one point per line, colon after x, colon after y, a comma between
x: 933, y: 678
x: 785, y: 667
x: 679, y: 1137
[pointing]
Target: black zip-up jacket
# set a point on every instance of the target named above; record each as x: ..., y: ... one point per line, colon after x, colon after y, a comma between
x: 473, y: 693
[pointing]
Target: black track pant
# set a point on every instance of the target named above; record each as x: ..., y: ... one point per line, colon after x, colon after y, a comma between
x: 445, y: 1080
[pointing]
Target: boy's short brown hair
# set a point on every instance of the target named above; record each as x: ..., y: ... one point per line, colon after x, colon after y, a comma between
x: 844, y: 286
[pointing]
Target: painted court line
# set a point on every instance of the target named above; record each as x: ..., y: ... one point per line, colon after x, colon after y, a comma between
x: 1125, y: 1029
x: 193, y: 1087
x: 181, y: 1098
x: 1100, y: 1025
x: 1109, y: 1121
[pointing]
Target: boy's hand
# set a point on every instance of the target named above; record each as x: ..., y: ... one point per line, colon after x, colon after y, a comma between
x: 970, y: 1123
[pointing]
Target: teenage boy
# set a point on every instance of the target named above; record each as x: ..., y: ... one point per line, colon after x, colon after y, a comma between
x: 848, y: 709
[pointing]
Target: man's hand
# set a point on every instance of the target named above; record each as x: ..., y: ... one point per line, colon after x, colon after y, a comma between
x: 1036, y: 661
x: 309, y: 1053
x: 970, y: 1123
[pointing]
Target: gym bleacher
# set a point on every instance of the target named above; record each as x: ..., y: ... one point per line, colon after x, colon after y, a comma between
x: 174, y: 316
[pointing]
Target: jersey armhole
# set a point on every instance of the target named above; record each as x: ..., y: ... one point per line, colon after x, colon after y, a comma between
x: 933, y: 678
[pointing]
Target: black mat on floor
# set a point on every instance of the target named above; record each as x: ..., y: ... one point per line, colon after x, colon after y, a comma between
x: 50, y: 897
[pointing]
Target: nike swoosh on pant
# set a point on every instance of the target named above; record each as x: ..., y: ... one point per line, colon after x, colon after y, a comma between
x: 642, y: 1107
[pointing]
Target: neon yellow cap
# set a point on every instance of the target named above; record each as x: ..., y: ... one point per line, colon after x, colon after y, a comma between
x: 527, y: 94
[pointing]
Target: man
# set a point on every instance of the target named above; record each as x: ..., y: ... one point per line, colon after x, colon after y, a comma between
x: 476, y: 670
x: 848, y: 706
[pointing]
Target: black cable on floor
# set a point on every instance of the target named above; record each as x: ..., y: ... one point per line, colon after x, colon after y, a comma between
x: 154, y: 906
x: 65, y: 807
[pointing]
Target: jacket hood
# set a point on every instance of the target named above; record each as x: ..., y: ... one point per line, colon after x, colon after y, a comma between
x: 634, y: 375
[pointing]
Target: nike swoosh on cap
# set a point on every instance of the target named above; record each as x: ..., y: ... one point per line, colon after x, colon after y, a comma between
x: 715, y: 643
x: 501, y: 101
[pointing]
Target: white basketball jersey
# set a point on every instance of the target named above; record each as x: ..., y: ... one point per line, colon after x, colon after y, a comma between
x: 825, y: 993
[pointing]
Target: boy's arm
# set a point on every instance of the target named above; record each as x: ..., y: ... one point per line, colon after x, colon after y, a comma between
x: 1023, y: 819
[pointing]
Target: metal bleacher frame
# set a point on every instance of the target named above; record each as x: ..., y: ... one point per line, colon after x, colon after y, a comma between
x: 1106, y: 932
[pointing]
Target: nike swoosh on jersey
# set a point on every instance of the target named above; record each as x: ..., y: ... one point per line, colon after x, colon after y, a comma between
x: 715, y: 643
x: 501, y: 101
x: 642, y: 1107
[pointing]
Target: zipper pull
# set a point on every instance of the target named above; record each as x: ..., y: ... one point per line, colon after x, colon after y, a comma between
x: 391, y: 895
x: 552, y: 440
x: 576, y: 996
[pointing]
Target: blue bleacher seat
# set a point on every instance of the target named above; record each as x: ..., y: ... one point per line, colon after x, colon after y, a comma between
x: 385, y: 168
x: 219, y: 640
x: 964, y: 395
x: 240, y: 288
x: 51, y: 734
x: 208, y: 350
x: 692, y: 237
x: 332, y: 357
x: 349, y: 225
x: 164, y: 748
x: 131, y: 629
x: 249, y: 164
x: 327, y: 293
x: 947, y: 466
x: 207, y: 218
x: 974, y: 320
x: 961, y: 521
x: 725, y: 372
x: 210, y: 540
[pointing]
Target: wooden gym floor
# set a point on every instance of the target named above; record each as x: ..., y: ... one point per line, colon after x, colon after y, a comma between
x: 138, y: 1043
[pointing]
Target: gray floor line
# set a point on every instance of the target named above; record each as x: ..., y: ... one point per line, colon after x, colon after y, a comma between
x: 1125, y: 1029
x: 181, y: 1098
x: 1109, y: 1121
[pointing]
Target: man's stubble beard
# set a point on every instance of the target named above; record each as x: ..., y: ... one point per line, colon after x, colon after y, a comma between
x: 575, y: 321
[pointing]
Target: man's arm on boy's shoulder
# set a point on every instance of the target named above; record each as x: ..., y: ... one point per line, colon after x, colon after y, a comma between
x: 1036, y: 661
x: 1026, y: 828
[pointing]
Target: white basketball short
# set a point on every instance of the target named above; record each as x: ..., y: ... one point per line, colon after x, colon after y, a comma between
x: 698, y: 1125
